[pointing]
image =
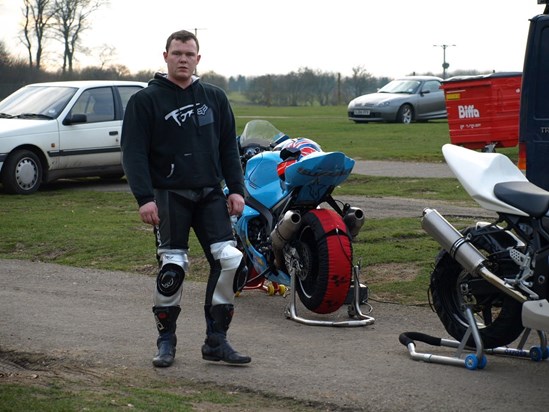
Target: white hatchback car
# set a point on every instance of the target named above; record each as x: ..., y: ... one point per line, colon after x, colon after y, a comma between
x: 58, y: 130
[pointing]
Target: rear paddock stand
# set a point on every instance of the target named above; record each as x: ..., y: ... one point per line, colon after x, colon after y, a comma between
x: 478, y: 359
x: 353, y: 310
x: 535, y: 353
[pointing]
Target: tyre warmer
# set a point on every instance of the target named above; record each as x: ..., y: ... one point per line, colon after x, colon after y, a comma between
x: 334, y: 246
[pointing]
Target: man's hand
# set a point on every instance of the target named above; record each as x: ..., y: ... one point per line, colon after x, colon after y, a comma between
x: 149, y: 213
x: 235, y: 204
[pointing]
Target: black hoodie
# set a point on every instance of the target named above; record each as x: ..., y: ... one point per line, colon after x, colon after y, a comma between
x: 174, y: 138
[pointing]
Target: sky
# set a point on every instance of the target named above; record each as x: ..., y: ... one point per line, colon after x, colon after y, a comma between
x: 254, y: 37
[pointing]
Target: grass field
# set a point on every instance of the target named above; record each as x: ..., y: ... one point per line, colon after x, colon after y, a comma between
x: 330, y: 127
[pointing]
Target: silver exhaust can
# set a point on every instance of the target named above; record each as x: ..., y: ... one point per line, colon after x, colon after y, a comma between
x: 463, y: 251
x: 451, y: 240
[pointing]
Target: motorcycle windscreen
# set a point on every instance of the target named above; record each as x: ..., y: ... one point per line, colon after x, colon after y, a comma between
x: 317, y: 174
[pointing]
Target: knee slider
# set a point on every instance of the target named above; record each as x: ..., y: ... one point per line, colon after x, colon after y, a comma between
x: 169, y: 280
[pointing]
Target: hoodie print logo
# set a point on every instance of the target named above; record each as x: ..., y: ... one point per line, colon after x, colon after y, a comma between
x: 184, y: 113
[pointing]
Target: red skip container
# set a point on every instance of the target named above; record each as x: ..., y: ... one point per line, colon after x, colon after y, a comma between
x: 483, y: 111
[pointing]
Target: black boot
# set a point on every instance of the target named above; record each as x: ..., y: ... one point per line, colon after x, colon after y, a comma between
x: 216, y: 347
x: 166, y: 318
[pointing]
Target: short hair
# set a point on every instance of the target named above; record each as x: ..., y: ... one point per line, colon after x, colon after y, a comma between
x: 183, y: 36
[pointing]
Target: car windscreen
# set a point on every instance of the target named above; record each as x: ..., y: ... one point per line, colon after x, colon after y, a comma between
x: 400, y: 86
x: 37, y: 101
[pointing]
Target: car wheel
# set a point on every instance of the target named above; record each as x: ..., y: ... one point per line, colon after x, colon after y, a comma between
x: 405, y: 114
x: 22, y: 173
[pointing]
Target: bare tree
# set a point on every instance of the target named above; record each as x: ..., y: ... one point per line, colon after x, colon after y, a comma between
x: 360, y: 81
x: 106, y: 54
x: 5, y: 58
x: 216, y: 79
x: 72, y: 19
x: 38, y: 15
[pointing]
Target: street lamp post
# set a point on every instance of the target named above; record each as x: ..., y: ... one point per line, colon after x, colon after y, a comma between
x: 445, y: 65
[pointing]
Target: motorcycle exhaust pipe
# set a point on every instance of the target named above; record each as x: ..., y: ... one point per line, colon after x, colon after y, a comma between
x: 284, y: 230
x: 464, y: 252
x: 354, y: 219
x: 452, y: 240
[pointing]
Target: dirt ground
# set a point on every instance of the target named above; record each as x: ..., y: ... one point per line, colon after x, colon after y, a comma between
x: 88, y: 324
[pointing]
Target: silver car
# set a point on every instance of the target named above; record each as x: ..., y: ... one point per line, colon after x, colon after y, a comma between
x: 407, y: 99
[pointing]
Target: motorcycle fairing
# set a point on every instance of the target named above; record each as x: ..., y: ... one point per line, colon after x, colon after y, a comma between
x: 257, y: 258
x: 316, y: 174
x: 261, y: 178
x: 535, y: 314
x: 262, y: 267
x: 479, y: 173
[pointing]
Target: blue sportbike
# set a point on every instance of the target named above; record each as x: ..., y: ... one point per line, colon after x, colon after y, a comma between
x: 294, y: 235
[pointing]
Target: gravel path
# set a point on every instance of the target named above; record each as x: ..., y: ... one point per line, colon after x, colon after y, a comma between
x: 101, y: 321
x: 399, y: 169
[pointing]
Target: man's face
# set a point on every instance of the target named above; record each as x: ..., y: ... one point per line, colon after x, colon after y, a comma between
x: 181, y: 59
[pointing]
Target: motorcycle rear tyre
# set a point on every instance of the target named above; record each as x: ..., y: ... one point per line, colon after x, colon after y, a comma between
x: 325, y: 251
x: 447, y: 300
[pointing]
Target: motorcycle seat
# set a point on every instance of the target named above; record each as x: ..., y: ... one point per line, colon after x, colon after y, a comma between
x: 525, y: 196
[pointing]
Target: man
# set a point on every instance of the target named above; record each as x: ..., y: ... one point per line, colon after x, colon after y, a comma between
x: 178, y: 145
